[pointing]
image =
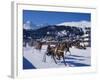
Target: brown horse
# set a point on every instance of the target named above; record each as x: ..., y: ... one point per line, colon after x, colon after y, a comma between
x: 50, y: 52
x: 78, y: 45
x: 56, y: 52
x: 39, y: 45
x: 68, y: 45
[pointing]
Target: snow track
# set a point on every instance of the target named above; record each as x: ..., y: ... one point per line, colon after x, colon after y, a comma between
x: 78, y: 58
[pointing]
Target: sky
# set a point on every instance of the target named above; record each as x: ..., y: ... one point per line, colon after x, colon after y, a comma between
x: 51, y: 18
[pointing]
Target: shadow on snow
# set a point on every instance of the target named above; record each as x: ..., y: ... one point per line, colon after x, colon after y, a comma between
x: 76, y: 64
x: 76, y: 56
x: 71, y: 58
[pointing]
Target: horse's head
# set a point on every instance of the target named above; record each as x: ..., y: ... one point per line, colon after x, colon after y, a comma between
x: 50, y: 50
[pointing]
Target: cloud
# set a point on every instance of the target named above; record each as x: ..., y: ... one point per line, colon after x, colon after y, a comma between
x: 27, y: 25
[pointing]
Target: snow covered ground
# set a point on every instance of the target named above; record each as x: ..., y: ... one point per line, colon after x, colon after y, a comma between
x: 78, y: 58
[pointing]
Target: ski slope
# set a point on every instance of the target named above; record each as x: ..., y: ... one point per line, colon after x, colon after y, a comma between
x: 78, y: 58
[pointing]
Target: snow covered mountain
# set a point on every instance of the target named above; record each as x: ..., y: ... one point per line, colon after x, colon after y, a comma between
x: 28, y: 25
x: 65, y: 29
x: 81, y: 24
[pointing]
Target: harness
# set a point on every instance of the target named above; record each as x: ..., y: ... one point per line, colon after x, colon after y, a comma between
x: 60, y: 51
x: 55, y: 49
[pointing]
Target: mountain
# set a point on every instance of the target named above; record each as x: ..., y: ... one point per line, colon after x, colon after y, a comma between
x: 53, y: 31
x: 81, y: 24
x: 28, y: 25
x: 65, y: 30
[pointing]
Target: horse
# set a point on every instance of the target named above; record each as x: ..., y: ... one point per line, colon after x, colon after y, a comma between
x: 68, y: 45
x: 79, y: 45
x: 56, y: 52
x: 39, y: 45
x: 50, y: 52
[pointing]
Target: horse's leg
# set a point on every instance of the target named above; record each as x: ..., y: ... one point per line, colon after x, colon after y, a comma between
x: 44, y: 57
x: 54, y: 58
x: 65, y: 52
x: 64, y: 59
x: 58, y: 57
x: 69, y: 52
